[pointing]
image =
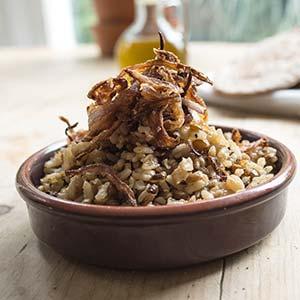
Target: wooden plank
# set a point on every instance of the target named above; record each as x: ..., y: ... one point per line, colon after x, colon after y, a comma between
x: 31, y: 270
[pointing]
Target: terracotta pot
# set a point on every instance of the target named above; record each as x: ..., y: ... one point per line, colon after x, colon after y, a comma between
x: 114, y: 10
x: 107, y: 34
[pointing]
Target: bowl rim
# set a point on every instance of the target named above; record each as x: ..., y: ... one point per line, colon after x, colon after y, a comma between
x: 29, y: 192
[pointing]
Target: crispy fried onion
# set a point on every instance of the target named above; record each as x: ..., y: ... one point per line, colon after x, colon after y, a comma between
x: 157, y: 126
x: 252, y: 146
x: 195, y: 105
x: 158, y: 93
x: 104, y: 91
x: 106, y: 171
x: 101, y: 117
x: 220, y: 170
x: 73, y: 136
x: 249, y: 147
x: 170, y: 61
x: 236, y: 135
x: 98, y: 139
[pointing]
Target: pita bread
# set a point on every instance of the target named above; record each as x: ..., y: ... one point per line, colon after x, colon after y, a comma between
x: 269, y: 65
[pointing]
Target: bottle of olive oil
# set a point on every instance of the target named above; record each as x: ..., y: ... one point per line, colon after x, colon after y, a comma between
x: 137, y: 42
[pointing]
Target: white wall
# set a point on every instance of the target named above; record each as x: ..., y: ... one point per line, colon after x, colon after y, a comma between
x: 21, y: 23
x: 36, y: 23
x: 59, y: 24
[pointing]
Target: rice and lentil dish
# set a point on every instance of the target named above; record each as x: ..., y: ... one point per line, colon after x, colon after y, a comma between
x: 148, y: 143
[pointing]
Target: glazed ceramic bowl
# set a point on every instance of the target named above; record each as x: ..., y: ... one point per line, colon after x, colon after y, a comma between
x: 161, y: 236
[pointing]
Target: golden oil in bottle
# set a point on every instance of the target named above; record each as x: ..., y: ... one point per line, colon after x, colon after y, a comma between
x: 137, y: 42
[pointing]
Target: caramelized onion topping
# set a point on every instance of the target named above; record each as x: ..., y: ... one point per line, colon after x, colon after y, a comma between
x: 106, y: 171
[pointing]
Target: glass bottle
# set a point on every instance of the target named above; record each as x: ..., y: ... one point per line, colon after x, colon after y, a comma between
x: 137, y: 42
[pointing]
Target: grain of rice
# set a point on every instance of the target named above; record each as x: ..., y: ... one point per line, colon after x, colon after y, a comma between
x: 125, y: 174
x: 139, y: 185
x: 160, y: 200
x: 206, y: 195
x: 148, y: 194
x: 212, y: 151
x: 181, y: 150
x: 143, y: 149
x: 68, y: 158
x: 195, y: 186
x: 268, y: 169
x: 102, y: 195
x: 150, y: 162
x: 74, y: 189
x: 88, y: 193
x: 239, y: 172
x: 261, y: 162
x: 234, y: 183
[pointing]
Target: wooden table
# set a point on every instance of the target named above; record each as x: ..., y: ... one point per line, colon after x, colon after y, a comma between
x: 36, y: 86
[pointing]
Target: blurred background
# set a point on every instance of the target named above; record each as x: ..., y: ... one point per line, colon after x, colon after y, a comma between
x: 66, y: 23
x: 207, y: 34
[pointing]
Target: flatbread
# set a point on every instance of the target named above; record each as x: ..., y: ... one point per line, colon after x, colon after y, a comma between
x: 269, y: 65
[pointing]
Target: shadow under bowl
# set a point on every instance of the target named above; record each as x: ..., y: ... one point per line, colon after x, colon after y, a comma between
x: 157, y: 237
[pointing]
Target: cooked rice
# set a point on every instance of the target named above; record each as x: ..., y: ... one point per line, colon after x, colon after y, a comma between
x: 160, y: 178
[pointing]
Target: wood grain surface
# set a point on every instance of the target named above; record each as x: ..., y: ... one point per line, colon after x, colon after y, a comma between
x: 36, y: 86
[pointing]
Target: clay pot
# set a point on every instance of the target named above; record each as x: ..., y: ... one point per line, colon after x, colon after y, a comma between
x: 107, y: 34
x: 114, y: 10
x: 114, y: 16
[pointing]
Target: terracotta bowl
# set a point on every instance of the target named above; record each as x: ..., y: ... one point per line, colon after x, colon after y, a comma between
x: 106, y: 35
x: 114, y: 10
x: 155, y: 237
